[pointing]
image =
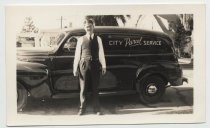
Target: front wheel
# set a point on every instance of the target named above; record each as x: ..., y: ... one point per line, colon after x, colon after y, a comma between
x: 22, y: 96
x: 151, y: 89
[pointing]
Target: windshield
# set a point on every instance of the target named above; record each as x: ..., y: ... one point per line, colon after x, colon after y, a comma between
x: 61, y: 36
x: 58, y: 41
x: 50, y: 39
x: 46, y: 42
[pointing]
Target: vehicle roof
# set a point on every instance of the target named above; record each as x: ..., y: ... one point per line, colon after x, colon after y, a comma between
x: 116, y: 29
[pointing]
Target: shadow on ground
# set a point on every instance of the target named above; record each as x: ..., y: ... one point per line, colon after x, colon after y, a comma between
x: 175, y: 101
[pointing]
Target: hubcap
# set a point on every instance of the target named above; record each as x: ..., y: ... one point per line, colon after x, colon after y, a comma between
x: 151, y: 88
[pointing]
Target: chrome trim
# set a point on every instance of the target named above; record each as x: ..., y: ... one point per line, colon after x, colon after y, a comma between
x: 122, y: 55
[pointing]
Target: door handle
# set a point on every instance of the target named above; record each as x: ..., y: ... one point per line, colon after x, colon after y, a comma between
x: 51, y: 58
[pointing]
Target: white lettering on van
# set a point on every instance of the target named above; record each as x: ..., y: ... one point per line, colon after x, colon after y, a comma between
x: 111, y: 42
x: 152, y: 42
x: 115, y: 42
x: 129, y: 42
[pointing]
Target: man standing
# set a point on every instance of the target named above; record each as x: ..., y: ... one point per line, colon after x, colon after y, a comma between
x: 89, y: 56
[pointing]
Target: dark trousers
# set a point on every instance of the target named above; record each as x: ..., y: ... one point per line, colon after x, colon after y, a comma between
x: 89, y: 76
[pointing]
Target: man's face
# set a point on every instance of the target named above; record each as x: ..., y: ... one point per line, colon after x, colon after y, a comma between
x: 88, y: 27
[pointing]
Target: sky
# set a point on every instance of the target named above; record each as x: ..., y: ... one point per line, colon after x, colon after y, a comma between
x: 48, y: 17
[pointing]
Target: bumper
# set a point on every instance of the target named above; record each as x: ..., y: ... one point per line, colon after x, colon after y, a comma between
x: 179, y: 81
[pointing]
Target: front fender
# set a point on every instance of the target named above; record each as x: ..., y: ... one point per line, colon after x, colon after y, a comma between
x: 35, y: 78
x: 31, y: 74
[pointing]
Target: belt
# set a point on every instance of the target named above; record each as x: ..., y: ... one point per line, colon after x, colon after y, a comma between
x: 89, y: 58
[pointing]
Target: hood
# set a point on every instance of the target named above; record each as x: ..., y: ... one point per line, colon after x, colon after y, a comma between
x: 23, y: 68
x: 34, y: 51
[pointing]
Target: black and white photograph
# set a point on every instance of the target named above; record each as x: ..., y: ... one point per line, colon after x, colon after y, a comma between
x: 91, y: 64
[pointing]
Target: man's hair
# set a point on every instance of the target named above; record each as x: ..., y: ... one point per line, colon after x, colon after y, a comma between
x: 88, y: 21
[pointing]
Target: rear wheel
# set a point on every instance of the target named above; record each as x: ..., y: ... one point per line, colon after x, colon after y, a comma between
x: 22, y: 96
x: 151, y: 89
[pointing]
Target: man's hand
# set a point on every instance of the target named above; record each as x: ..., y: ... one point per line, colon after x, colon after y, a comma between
x: 103, y: 71
x: 75, y: 72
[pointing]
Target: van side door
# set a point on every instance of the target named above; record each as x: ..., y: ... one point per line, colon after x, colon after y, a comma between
x: 63, y: 78
x: 120, y: 72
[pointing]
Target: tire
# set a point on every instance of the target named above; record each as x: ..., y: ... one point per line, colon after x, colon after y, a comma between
x: 22, y: 97
x: 151, y: 89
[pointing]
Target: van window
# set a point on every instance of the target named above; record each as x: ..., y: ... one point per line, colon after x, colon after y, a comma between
x: 114, y: 43
x: 70, y: 45
x: 148, y: 45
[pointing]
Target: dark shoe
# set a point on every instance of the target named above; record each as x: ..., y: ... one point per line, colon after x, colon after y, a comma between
x: 81, y: 112
x: 97, y: 111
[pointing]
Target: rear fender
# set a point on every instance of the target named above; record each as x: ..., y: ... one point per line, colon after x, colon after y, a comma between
x: 148, y: 70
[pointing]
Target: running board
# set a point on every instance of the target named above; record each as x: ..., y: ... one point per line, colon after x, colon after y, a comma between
x: 104, y: 93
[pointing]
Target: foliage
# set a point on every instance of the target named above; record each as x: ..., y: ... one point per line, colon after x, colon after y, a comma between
x: 29, y: 26
x: 108, y: 20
